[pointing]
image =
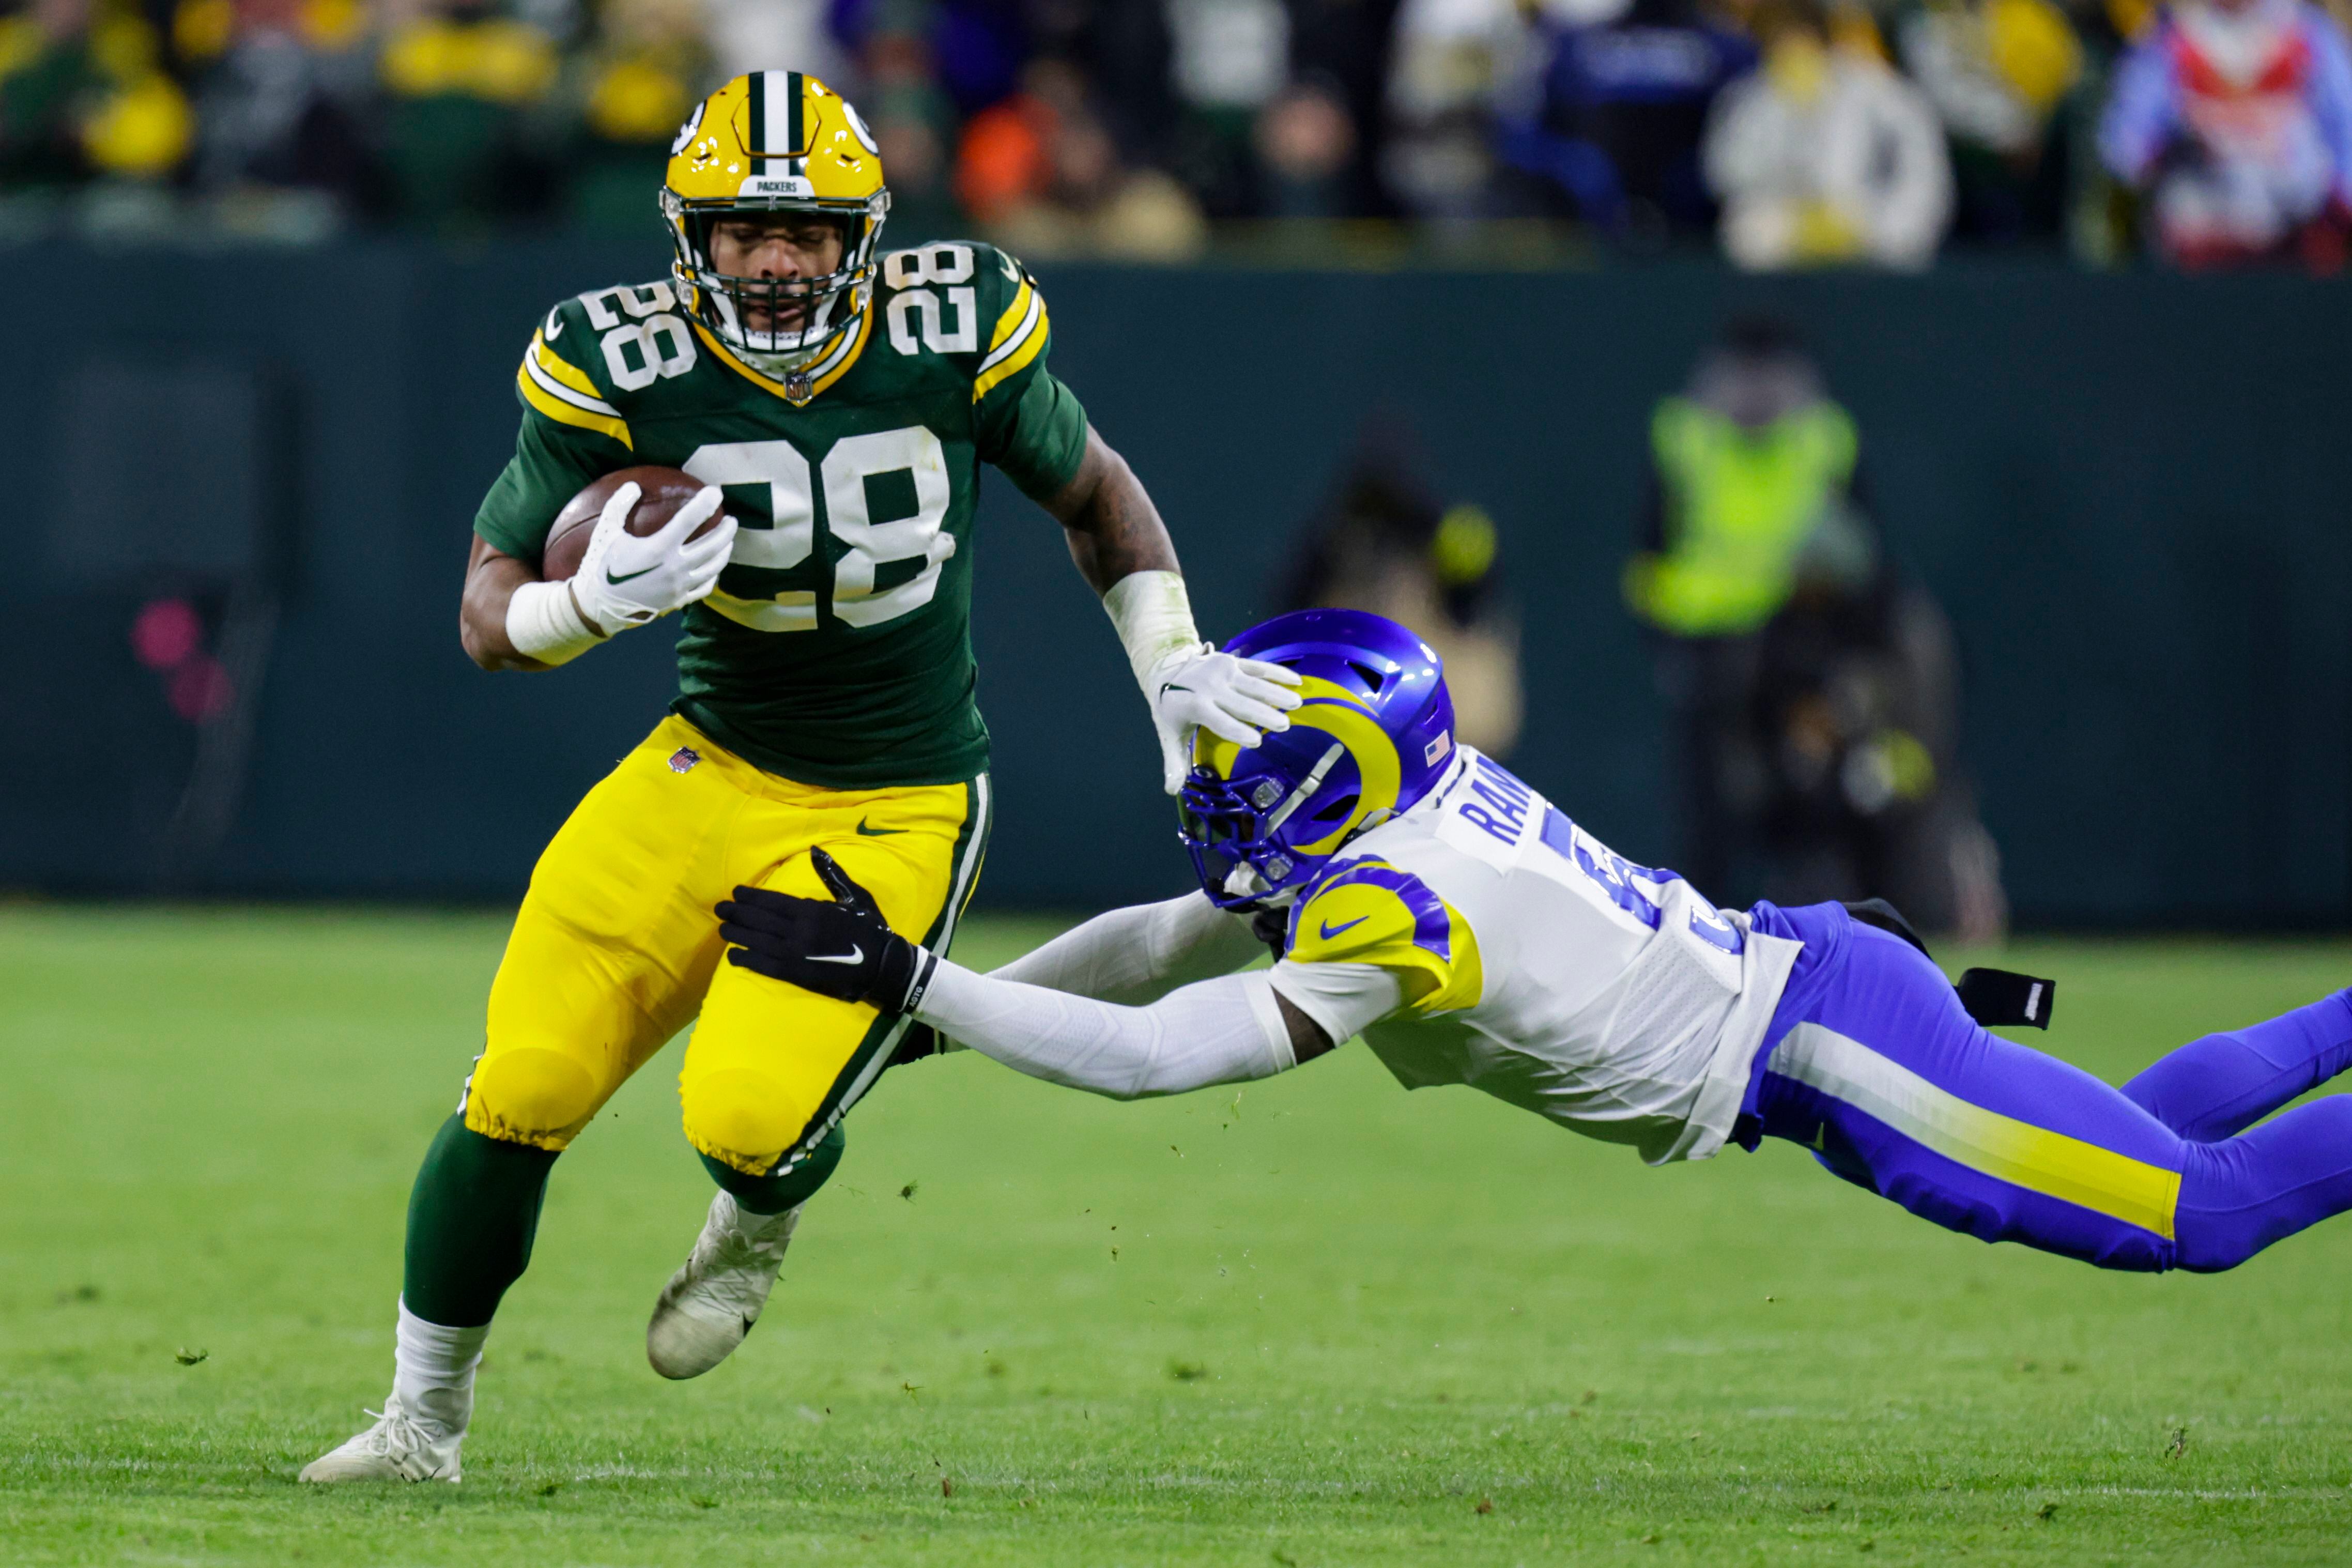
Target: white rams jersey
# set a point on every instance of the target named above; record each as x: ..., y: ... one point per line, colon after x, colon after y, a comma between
x: 1540, y: 966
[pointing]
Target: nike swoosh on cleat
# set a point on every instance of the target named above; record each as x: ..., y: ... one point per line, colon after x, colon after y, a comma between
x: 750, y: 1318
x: 628, y: 577
x: 866, y: 832
x: 1331, y: 931
x: 857, y: 955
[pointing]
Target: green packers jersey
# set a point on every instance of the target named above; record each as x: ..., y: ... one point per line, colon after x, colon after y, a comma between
x: 837, y: 648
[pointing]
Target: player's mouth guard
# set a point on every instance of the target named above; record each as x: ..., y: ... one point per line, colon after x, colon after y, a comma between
x: 1997, y: 998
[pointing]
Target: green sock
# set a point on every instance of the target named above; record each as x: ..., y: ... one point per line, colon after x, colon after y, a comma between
x: 775, y: 1194
x: 471, y: 1218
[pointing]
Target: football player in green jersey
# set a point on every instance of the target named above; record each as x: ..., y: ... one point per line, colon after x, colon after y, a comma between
x: 838, y: 401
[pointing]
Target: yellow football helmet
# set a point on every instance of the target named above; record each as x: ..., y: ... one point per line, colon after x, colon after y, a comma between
x: 775, y: 141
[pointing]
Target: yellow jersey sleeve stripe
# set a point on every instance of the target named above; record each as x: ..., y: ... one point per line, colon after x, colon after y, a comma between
x: 564, y: 392
x: 1028, y: 341
x: 563, y: 405
x: 1012, y: 330
x: 564, y: 374
x: 1015, y: 317
x: 1986, y: 1141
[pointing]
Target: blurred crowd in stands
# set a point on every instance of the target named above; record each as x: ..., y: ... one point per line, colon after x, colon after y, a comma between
x: 1788, y: 133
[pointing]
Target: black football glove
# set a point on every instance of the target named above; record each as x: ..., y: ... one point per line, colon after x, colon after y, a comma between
x: 843, y: 949
x: 1272, y: 927
x: 920, y: 1041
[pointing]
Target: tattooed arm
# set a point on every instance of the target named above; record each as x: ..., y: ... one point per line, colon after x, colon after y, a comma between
x: 1114, y: 530
x: 1122, y: 548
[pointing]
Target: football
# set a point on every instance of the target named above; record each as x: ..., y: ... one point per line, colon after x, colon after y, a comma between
x: 665, y: 491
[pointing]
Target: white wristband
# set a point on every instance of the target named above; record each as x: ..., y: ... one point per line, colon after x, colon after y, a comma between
x: 545, y: 624
x: 1154, y: 617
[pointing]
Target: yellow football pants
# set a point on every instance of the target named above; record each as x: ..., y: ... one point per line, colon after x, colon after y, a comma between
x: 615, y: 949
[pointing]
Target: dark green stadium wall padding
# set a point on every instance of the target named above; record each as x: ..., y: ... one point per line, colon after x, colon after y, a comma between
x: 2132, y: 492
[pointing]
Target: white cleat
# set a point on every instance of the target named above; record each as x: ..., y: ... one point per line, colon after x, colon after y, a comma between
x: 398, y: 1447
x: 711, y: 1303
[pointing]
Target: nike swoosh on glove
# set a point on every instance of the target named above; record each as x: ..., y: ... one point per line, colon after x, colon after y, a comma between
x: 1236, y: 700
x: 842, y: 948
x: 625, y: 581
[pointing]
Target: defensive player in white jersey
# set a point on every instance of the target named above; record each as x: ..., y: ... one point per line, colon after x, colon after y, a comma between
x: 1416, y: 893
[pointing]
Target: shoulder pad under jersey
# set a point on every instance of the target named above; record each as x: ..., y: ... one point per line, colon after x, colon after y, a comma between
x: 966, y: 299
x: 593, y: 351
x: 1366, y: 911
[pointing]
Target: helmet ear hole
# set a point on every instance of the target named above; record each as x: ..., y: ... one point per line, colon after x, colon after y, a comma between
x: 1336, y: 811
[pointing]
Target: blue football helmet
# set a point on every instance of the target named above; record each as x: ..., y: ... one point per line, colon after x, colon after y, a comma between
x: 1373, y: 734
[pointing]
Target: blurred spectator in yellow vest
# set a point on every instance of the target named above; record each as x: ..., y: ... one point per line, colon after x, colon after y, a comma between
x: 1753, y: 472
x: 1813, y: 693
x: 1384, y: 542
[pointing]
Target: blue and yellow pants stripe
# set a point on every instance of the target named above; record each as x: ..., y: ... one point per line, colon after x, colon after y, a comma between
x: 1872, y: 1064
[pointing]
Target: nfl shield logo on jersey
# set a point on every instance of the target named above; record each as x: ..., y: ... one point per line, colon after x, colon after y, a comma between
x: 684, y: 759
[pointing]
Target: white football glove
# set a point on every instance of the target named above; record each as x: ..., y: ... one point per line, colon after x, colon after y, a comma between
x: 1197, y: 688
x: 625, y: 581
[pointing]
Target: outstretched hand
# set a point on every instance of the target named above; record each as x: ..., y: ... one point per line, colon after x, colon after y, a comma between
x: 841, y: 948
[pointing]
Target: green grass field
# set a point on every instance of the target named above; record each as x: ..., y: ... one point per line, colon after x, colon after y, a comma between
x: 1317, y: 1322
